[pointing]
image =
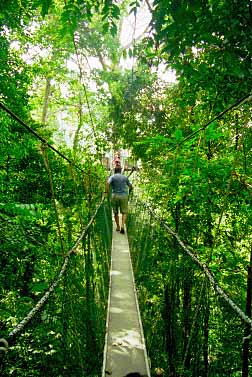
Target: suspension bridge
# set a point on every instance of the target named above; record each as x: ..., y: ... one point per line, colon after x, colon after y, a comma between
x: 69, y: 302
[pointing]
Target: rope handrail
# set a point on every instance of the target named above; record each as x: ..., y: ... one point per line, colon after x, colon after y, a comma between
x: 203, y: 266
x: 34, y: 133
x: 19, y: 327
x: 246, y: 98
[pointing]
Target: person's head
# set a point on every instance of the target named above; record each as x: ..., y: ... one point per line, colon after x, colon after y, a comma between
x: 117, y: 169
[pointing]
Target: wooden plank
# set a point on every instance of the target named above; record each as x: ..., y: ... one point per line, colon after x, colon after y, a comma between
x: 124, y: 352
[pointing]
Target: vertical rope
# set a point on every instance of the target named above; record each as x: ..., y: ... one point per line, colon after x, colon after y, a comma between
x: 47, y: 165
x: 76, y: 193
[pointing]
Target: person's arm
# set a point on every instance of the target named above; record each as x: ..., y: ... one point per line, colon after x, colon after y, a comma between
x: 130, y: 185
x: 106, y: 187
x: 106, y: 190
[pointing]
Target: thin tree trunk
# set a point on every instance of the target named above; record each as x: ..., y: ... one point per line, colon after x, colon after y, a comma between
x: 247, y: 332
x: 206, y: 336
x: 171, y: 306
x: 46, y: 100
x: 79, y: 127
x: 27, y: 276
x: 170, y: 327
x: 236, y: 133
x: 187, y: 322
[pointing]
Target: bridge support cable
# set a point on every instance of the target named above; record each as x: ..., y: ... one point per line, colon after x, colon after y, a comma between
x: 246, y: 98
x: 124, y: 352
x: 53, y: 306
x: 19, y: 328
x: 203, y: 266
x: 72, y: 269
x: 189, y: 320
x: 37, y: 136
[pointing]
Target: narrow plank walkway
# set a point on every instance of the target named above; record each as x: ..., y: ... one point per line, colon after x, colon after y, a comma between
x: 124, y: 353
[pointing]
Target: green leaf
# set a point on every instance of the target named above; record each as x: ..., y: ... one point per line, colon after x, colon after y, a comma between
x: 178, y: 134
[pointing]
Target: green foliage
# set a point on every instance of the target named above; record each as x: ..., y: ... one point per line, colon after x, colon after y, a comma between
x: 37, y: 226
x: 185, y: 323
x: 200, y: 182
x: 207, y: 43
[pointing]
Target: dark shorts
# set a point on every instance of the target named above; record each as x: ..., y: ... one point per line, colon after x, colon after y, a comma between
x: 119, y: 202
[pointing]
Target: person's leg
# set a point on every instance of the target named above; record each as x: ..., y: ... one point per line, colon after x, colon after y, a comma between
x: 115, y: 206
x: 124, y: 218
x: 124, y: 211
x: 117, y: 221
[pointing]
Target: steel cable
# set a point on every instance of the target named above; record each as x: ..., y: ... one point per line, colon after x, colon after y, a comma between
x: 204, y: 267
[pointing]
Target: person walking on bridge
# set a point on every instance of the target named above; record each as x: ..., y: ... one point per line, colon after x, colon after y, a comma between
x: 121, y: 187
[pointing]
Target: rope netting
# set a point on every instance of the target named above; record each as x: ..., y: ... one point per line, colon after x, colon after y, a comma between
x: 192, y: 326
x: 55, y: 234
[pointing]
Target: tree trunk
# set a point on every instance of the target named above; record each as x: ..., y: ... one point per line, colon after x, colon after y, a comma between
x: 79, y: 127
x: 46, y: 100
x: 170, y: 328
x: 187, y: 321
x: 27, y: 276
x: 206, y: 335
x: 247, y: 332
